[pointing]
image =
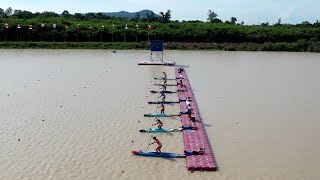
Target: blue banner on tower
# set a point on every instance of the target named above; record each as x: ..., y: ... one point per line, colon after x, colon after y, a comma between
x: 156, y: 45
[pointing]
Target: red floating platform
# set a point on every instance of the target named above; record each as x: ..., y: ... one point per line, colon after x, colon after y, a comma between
x: 194, y: 139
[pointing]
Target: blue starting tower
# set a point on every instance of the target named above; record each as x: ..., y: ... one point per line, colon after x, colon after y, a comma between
x: 156, y: 48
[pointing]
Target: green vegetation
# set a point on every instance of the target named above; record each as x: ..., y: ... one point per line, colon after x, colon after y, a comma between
x: 74, y: 45
x: 303, y: 46
x: 95, y: 30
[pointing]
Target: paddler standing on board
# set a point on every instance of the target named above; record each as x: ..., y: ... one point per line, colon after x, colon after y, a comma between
x: 159, y: 122
x: 165, y: 82
x: 164, y: 87
x: 158, y: 150
x: 162, y: 108
x: 164, y: 75
x: 163, y: 96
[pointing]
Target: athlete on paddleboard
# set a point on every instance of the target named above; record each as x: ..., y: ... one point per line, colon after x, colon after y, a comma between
x: 163, y: 96
x: 165, y: 82
x: 164, y: 75
x: 158, y: 150
x: 164, y: 87
x: 162, y: 108
x: 159, y: 122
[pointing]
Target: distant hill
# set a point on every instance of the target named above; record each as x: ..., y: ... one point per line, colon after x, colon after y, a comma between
x: 129, y: 15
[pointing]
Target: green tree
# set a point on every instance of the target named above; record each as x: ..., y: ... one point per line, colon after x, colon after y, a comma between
x: 37, y: 14
x: 100, y: 15
x: 279, y: 21
x: 216, y: 20
x: 168, y: 16
x: 8, y: 12
x: 49, y: 14
x: 65, y: 14
x: 1, y: 12
x: 79, y: 16
x: 233, y: 20
x: 22, y: 14
x: 317, y: 24
x: 90, y: 16
x: 162, y: 17
x: 227, y: 22
x: 165, y: 17
x: 212, y: 16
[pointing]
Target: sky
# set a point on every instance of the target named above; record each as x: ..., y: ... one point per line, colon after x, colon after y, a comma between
x: 249, y: 11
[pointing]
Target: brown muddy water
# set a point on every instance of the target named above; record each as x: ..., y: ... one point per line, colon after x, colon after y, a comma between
x: 75, y: 114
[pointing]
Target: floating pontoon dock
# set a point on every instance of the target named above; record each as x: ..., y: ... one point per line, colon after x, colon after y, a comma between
x: 194, y: 139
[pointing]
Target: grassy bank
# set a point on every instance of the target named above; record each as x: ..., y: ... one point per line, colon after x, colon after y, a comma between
x: 299, y: 46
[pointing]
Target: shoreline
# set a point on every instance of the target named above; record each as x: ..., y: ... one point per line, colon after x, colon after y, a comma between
x: 299, y: 46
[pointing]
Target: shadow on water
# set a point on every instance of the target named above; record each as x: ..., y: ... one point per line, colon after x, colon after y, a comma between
x: 210, y: 146
x: 169, y: 134
x: 176, y: 118
x: 170, y: 159
x: 181, y: 66
x: 206, y: 125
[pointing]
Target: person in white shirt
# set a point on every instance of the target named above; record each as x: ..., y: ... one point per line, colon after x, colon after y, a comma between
x: 187, y: 101
x: 189, y: 110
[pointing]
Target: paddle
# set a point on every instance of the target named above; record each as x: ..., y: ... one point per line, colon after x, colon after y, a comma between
x: 149, y: 142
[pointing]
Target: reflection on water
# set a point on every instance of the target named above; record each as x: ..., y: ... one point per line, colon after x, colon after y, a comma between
x: 75, y: 114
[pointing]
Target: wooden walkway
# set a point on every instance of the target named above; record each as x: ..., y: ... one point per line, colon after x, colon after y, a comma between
x: 194, y: 139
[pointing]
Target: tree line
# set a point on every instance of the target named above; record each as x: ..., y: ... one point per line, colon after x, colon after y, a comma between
x: 21, y: 25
